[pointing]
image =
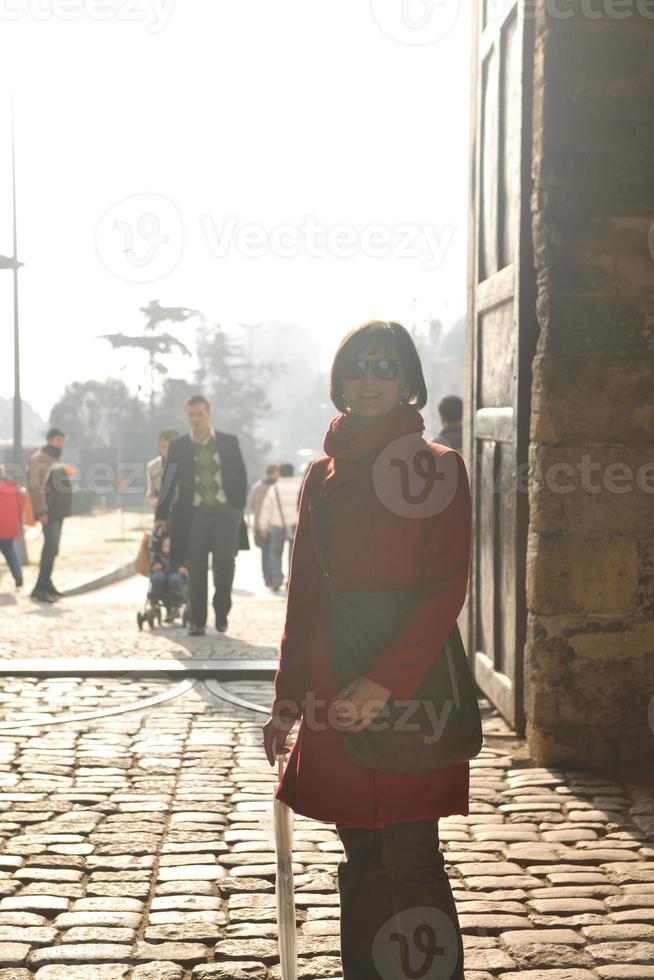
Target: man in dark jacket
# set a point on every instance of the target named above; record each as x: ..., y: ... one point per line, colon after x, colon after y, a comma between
x: 51, y: 491
x: 203, y: 492
x: 450, y: 410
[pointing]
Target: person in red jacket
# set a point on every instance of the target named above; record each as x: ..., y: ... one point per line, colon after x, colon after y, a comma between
x: 377, y: 540
x: 11, y: 519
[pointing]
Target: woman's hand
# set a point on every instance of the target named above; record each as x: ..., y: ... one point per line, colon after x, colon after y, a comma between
x: 358, y: 704
x: 276, y: 729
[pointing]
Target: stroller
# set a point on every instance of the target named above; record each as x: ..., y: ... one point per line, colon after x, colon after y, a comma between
x: 168, y: 588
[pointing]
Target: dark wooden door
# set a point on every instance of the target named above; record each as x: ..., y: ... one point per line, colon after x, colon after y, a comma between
x: 500, y: 345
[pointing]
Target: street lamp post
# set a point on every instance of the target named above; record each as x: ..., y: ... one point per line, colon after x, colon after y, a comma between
x: 11, y: 262
x: 18, y: 407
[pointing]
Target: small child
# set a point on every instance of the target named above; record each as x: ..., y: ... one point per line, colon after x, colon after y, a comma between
x: 167, y: 579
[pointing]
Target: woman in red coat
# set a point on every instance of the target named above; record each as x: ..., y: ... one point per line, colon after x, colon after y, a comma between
x: 11, y: 519
x: 379, y: 539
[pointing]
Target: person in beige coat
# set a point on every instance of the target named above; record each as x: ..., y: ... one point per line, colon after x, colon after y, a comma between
x: 50, y: 488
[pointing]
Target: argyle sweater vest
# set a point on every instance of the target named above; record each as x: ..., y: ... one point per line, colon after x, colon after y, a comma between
x: 209, y: 490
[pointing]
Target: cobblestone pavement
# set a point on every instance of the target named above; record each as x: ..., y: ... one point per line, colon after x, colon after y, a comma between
x: 103, y: 623
x: 138, y: 845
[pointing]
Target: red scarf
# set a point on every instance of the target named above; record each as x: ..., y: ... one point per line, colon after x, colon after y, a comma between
x: 353, y: 449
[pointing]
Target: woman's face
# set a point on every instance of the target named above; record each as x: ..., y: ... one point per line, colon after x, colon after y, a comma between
x: 370, y: 395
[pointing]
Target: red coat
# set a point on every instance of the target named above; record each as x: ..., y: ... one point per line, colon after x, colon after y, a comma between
x: 11, y: 516
x: 370, y: 547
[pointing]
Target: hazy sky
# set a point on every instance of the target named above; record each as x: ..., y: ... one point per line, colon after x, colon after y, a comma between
x: 256, y: 159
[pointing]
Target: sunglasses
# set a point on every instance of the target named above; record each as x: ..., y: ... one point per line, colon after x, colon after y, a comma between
x: 383, y: 368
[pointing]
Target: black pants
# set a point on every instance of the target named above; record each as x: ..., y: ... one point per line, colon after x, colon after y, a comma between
x: 214, y: 531
x: 398, y: 917
x: 51, y: 540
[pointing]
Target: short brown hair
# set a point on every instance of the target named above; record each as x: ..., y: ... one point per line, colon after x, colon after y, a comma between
x: 386, y: 336
x: 167, y: 434
x: 451, y: 408
x: 197, y: 400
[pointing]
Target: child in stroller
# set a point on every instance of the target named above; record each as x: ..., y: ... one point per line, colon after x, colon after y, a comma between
x: 168, y: 583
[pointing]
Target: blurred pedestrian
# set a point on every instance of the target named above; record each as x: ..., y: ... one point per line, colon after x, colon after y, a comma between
x: 277, y: 521
x: 450, y: 411
x: 11, y: 519
x: 155, y: 467
x: 51, y: 491
x: 203, y: 492
x: 255, y: 502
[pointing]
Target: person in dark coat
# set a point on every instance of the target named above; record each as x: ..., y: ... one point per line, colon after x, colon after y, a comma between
x: 450, y: 410
x: 11, y: 520
x: 387, y: 821
x: 203, y: 494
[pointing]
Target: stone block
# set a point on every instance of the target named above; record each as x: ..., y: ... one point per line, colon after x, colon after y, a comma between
x: 578, y: 323
x: 577, y: 574
x: 586, y: 488
x: 593, y: 399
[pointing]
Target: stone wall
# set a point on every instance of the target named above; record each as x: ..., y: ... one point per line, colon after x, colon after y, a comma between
x: 589, y: 668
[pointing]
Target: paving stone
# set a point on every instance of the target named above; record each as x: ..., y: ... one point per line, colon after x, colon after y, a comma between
x: 190, y: 903
x: 98, y: 934
x: 130, y: 920
x: 562, y: 937
x: 47, y: 874
x: 564, y: 974
x: 34, y: 935
x: 166, y: 970
x: 77, y: 953
x: 248, y: 970
x: 264, y: 950
x: 184, y: 932
x: 183, y: 953
x: 621, y: 972
x: 35, y: 903
x: 96, y: 972
x: 622, y: 930
x: 164, y: 888
x: 622, y: 952
x: 107, y: 905
x: 565, y: 905
x: 545, y: 955
x: 193, y: 872
x: 22, y: 919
